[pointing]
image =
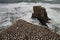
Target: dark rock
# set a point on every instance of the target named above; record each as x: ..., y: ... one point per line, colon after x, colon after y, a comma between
x: 22, y: 30
x: 41, y: 14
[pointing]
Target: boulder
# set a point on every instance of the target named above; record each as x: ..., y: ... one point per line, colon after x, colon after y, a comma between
x: 22, y: 30
x: 41, y: 14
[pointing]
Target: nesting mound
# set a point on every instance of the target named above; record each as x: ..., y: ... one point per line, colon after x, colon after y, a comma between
x: 22, y: 30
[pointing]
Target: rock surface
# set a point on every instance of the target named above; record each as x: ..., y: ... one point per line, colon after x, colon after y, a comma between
x: 41, y: 14
x: 22, y: 30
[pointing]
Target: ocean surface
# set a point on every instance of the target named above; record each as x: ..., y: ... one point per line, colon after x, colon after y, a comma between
x: 11, y: 12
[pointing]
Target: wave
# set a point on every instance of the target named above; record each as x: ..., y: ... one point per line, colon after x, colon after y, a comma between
x: 14, y: 11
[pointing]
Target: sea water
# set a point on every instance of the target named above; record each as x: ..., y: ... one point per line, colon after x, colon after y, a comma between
x: 11, y: 12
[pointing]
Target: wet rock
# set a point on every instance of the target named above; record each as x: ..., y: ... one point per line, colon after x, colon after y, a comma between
x: 22, y: 30
x: 41, y: 14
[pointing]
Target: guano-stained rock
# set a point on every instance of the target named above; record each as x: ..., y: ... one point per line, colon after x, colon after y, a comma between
x: 22, y: 30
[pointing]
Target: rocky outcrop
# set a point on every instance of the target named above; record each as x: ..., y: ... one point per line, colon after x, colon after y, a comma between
x: 41, y: 14
x: 22, y: 30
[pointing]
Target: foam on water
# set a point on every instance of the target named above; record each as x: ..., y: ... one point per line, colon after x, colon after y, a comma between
x: 24, y: 11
